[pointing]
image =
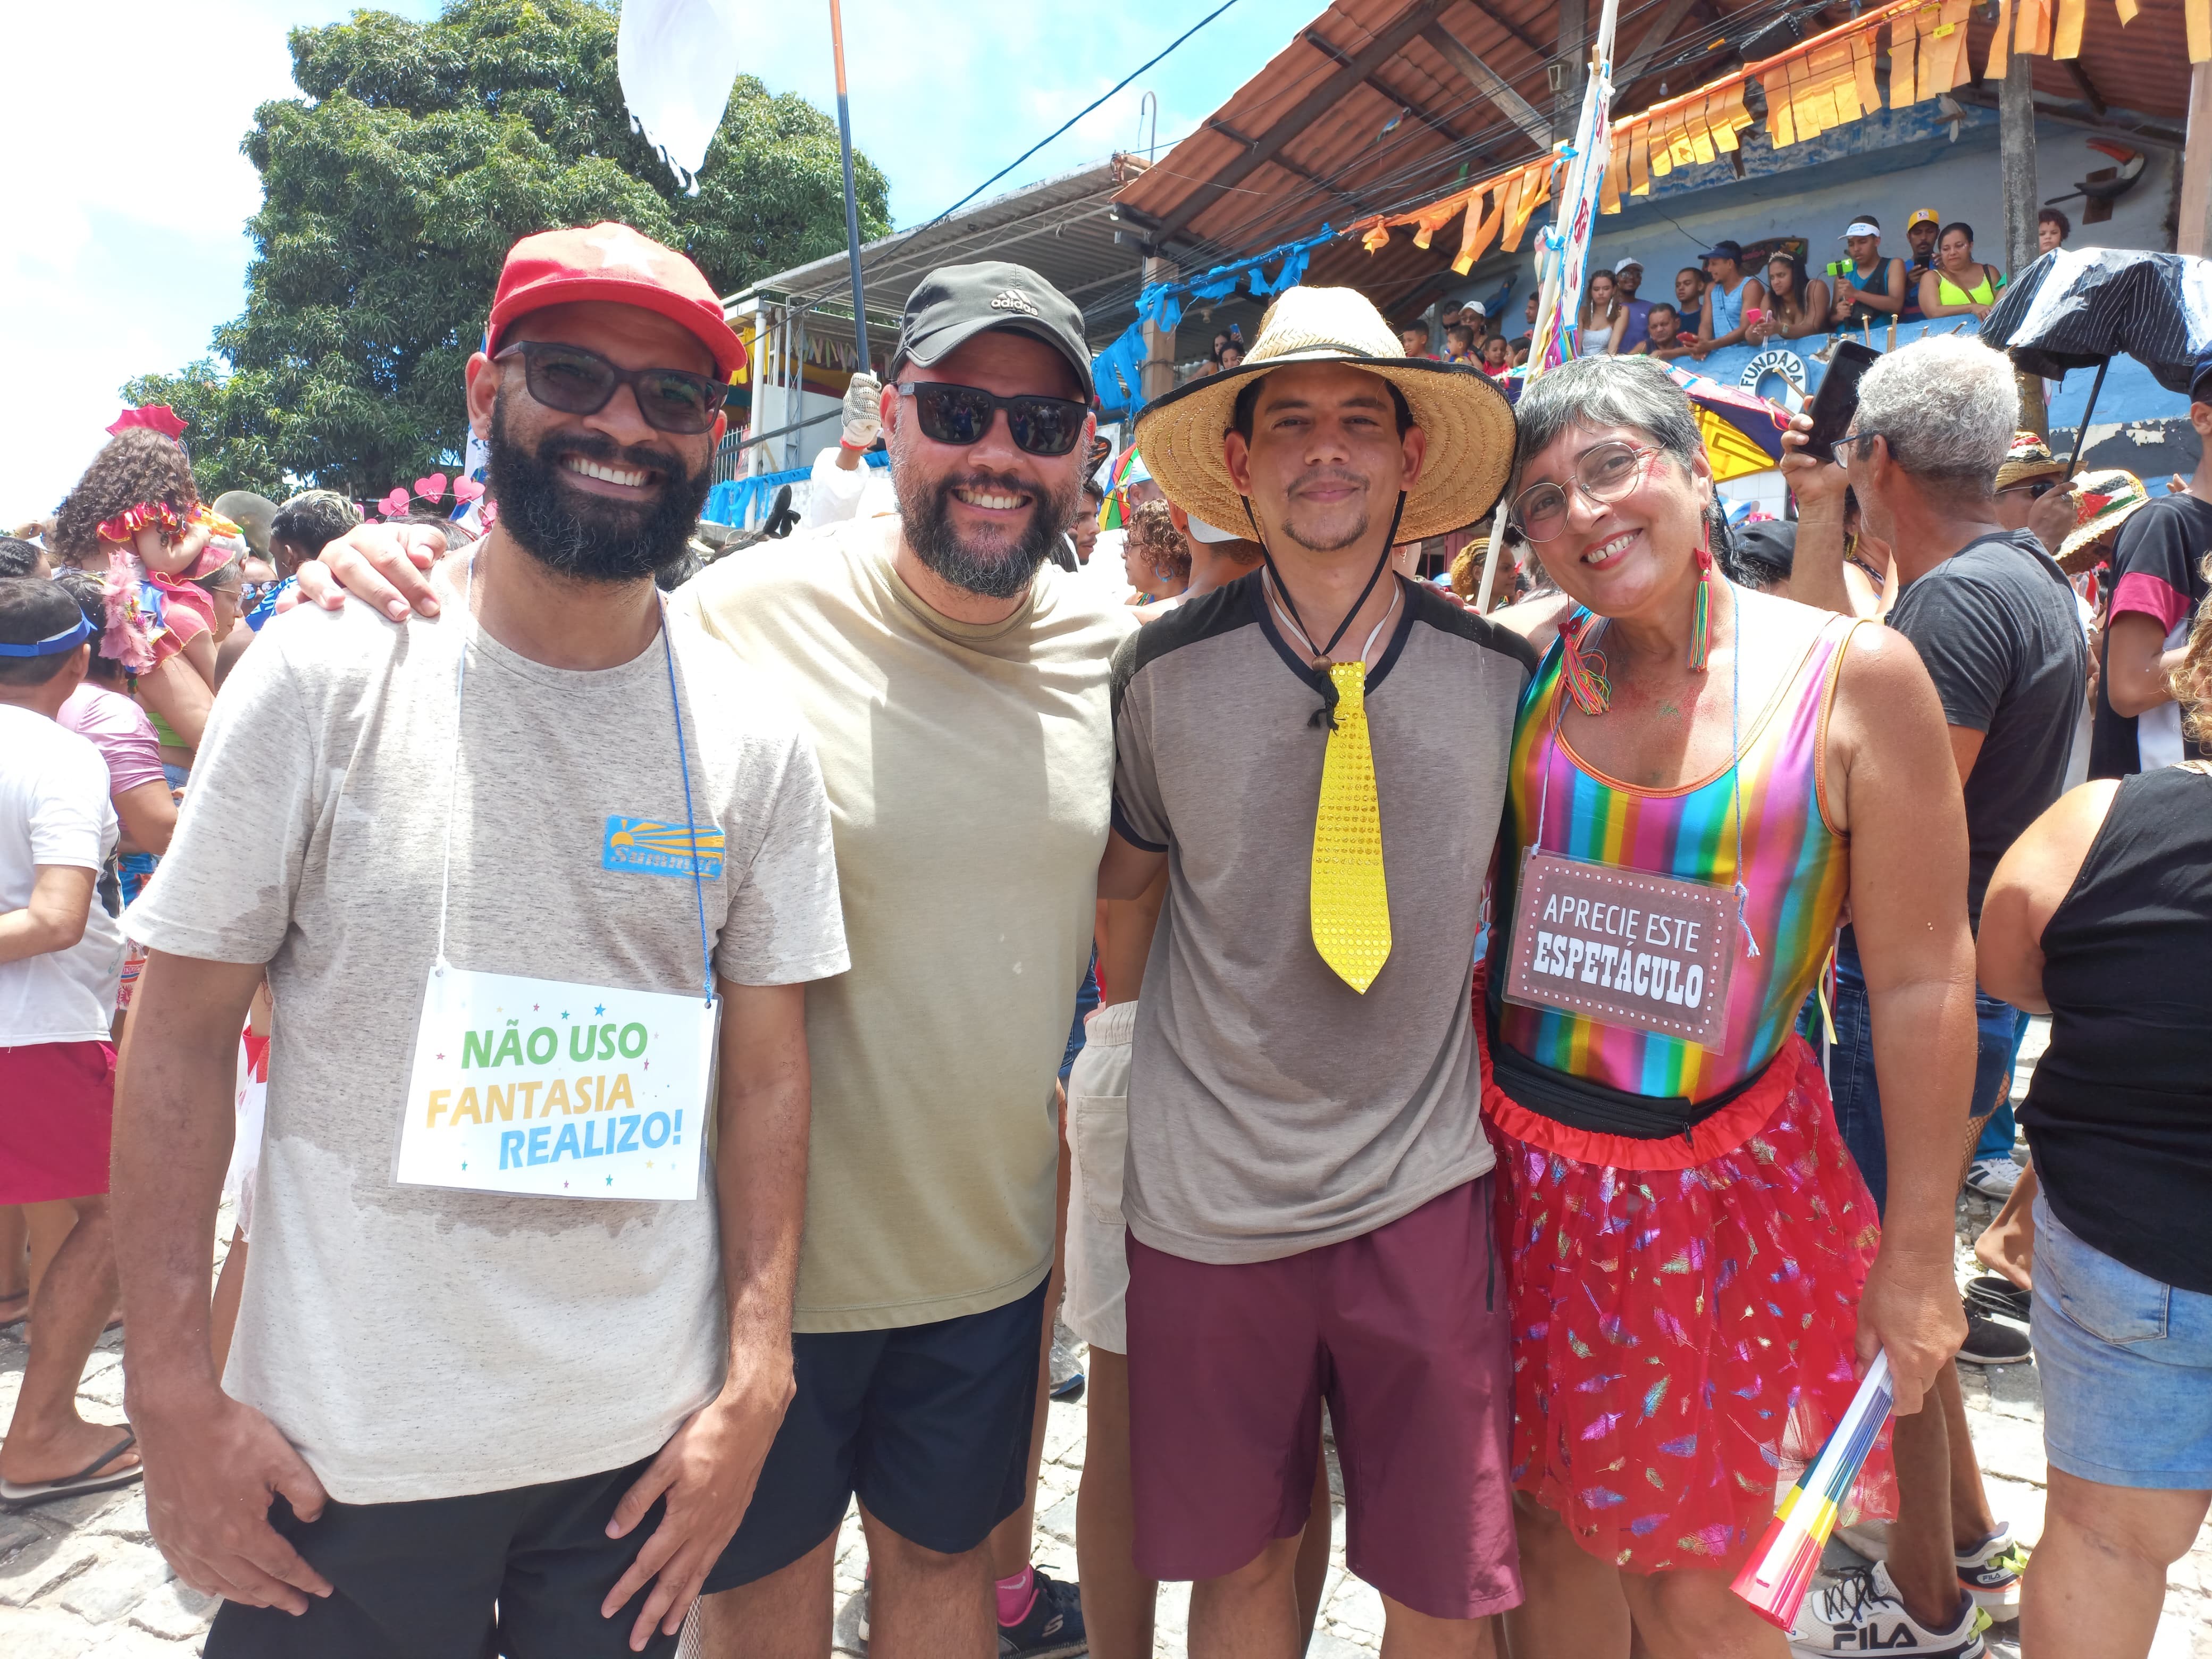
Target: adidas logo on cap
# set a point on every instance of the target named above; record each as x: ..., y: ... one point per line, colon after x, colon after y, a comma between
x: 1013, y: 299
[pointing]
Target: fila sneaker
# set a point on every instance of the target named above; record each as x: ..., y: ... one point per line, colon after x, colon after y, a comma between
x: 1991, y: 1574
x: 1862, y: 1612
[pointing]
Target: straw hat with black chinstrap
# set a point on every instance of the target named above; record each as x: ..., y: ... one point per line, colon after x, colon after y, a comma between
x: 2028, y: 458
x: 2103, y: 503
x: 1468, y: 420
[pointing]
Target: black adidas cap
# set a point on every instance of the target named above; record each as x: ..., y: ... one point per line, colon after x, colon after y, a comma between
x: 955, y: 303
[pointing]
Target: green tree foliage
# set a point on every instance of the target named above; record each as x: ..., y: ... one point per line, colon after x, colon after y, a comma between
x: 392, y: 193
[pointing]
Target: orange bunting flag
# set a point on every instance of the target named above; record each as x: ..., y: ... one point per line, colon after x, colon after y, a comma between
x: 1479, y: 232
x: 1903, y: 54
x: 2066, y: 34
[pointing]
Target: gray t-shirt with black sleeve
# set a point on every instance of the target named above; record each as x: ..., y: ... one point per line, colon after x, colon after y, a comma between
x: 419, y: 1342
x: 1272, y: 1108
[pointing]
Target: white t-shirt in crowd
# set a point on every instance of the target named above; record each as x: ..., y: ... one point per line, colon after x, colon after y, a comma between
x: 54, y: 809
x: 419, y: 1342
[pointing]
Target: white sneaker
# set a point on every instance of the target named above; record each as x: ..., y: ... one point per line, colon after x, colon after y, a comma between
x: 1994, y: 1178
x: 1861, y: 1613
x: 1991, y: 1574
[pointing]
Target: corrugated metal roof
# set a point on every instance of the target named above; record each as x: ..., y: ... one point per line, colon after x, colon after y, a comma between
x: 1059, y: 227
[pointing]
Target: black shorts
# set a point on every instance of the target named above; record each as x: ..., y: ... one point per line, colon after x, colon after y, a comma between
x: 520, y: 1572
x: 929, y: 1424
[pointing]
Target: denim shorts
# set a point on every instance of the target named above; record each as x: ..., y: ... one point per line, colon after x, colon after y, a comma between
x: 1850, y: 1068
x: 2126, y: 1367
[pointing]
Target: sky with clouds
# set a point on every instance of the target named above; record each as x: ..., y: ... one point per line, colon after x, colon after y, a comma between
x: 127, y: 195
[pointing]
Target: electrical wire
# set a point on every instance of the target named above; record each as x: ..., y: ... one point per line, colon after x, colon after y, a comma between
x: 1078, y: 115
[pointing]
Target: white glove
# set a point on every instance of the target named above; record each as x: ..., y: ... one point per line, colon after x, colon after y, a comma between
x: 863, y: 420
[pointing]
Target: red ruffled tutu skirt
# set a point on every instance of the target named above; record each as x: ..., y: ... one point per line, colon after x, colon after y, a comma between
x: 1683, y: 1313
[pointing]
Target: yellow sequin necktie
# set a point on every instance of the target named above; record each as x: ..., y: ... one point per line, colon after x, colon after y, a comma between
x: 1350, y: 895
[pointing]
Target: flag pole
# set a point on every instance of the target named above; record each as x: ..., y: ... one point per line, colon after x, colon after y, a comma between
x: 852, y: 203
x: 1566, y: 247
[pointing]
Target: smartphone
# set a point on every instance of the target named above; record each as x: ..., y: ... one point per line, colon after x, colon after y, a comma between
x: 1838, y: 400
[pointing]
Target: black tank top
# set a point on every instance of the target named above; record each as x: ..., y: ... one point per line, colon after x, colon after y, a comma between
x: 2120, y: 1111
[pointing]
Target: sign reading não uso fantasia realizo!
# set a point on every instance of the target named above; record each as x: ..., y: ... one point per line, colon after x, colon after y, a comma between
x: 1623, y: 947
x: 540, y: 1086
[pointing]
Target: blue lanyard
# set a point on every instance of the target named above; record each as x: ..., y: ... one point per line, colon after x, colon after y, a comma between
x: 683, y: 763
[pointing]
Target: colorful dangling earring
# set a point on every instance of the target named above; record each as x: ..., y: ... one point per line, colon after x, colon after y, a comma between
x: 1701, y: 624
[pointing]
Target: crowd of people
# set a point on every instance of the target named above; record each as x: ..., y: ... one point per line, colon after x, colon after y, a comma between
x: 1761, y: 296
x: 634, y: 1014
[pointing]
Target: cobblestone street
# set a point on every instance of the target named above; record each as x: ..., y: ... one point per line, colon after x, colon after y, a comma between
x: 80, y: 1579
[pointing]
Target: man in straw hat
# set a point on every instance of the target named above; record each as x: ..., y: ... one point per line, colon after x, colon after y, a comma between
x: 2027, y: 480
x: 1308, y: 1181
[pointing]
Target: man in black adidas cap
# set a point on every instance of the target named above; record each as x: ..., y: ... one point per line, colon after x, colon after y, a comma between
x: 957, y: 693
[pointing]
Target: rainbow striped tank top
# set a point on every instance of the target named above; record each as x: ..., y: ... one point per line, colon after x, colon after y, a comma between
x: 1796, y: 873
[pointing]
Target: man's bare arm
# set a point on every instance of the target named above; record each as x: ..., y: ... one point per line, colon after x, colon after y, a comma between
x: 707, y: 1469
x: 1128, y: 869
x: 1816, y: 569
x: 54, y: 918
x: 212, y: 1464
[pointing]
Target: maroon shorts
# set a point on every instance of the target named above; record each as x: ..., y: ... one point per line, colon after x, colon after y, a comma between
x: 57, y: 1110
x: 1403, y: 1332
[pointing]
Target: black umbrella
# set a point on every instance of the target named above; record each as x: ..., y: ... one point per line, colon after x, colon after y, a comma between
x: 2082, y: 308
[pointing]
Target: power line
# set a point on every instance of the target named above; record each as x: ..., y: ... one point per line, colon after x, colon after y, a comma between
x: 1077, y: 116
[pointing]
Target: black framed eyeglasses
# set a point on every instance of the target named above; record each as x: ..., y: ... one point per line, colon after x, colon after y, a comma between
x: 1841, y: 451
x: 578, y: 381
x: 961, y: 415
x: 1603, y: 473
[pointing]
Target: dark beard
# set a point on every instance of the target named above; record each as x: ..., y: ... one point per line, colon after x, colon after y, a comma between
x: 583, y: 536
x: 926, y: 515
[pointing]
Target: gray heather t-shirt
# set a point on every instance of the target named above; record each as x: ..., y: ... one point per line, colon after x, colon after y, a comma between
x: 417, y: 1342
x: 1272, y: 1108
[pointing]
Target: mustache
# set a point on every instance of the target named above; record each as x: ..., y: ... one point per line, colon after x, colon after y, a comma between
x: 1328, y: 475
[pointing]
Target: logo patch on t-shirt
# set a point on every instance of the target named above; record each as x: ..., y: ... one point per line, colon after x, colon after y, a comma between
x: 654, y: 846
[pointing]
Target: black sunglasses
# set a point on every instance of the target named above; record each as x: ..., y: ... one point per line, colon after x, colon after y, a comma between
x: 961, y: 415
x: 576, y: 381
x: 2035, y: 489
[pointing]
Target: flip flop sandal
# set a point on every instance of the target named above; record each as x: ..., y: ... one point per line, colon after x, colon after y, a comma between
x: 84, y: 1480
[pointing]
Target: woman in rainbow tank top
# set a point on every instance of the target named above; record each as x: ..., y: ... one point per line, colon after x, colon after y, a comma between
x: 1702, y: 777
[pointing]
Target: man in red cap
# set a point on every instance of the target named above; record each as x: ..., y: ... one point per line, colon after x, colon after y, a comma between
x: 956, y: 691
x: 517, y: 877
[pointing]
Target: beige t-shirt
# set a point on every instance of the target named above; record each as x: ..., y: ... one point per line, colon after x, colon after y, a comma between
x: 970, y: 773
x: 419, y: 1342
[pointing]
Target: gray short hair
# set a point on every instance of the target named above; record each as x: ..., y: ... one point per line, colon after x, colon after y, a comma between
x: 1600, y: 392
x: 1948, y: 406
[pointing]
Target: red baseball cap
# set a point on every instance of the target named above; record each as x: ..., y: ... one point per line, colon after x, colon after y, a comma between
x: 613, y: 261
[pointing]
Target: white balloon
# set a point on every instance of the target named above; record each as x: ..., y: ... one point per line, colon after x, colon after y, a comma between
x: 677, y: 60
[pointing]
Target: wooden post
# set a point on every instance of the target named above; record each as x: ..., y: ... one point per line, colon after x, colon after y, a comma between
x: 1574, y: 49
x: 1159, y: 344
x: 2193, y: 233
x: 2016, y: 172
x: 2016, y: 160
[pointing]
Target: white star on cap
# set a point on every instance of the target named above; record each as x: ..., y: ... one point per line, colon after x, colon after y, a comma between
x: 622, y: 252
